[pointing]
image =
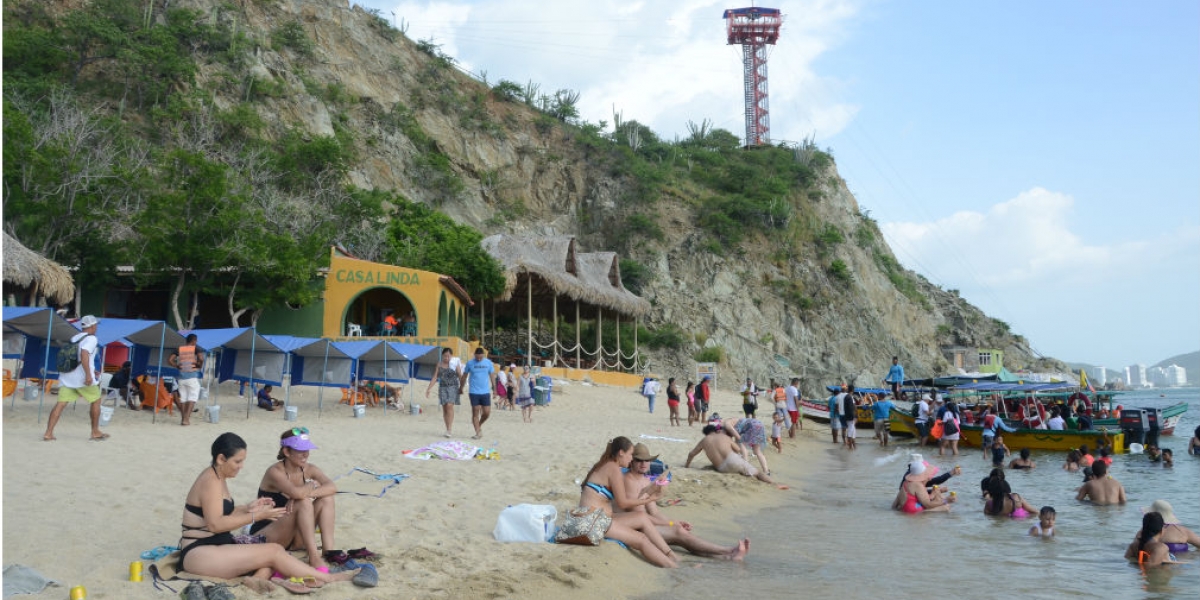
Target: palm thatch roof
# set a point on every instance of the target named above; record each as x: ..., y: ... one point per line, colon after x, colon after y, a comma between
x: 552, y: 267
x: 28, y: 269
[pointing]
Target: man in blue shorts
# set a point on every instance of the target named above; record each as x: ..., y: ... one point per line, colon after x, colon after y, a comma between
x: 480, y: 375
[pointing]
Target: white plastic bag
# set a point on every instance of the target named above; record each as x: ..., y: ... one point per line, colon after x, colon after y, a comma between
x: 526, y: 523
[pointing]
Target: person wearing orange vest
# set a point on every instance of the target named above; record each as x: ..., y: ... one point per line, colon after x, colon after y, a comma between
x: 189, y: 359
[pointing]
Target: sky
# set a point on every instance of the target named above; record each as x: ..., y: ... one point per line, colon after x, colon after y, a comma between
x: 1041, y: 157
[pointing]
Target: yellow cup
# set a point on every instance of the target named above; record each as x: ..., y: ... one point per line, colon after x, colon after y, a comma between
x: 78, y: 593
x: 135, y: 570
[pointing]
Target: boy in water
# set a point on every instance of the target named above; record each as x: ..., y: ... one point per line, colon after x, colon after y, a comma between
x: 1045, y: 526
x: 999, y: 451
x: 777, y: 432
x: 1168, y: 458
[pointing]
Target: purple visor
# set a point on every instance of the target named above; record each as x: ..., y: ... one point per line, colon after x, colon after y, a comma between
x: 298, y: 442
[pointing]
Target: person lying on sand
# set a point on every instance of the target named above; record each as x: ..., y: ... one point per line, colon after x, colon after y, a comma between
x: 725, y: 455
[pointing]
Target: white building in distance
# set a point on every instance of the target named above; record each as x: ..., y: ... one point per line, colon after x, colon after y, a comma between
x: 1170, y: 376
x: 1099, y: 376
x: 1135, y: 376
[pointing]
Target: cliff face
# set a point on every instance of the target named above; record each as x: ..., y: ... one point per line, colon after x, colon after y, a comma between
x: 437, y: 136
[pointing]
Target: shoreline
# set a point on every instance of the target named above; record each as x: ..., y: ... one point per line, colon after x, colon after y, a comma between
x: 79, y: 512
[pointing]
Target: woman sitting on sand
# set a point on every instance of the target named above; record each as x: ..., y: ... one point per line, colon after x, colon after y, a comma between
x: 604, y: 487
x: 307, y: 493
x: 913, y: 496
x: 1002, y: 502
x: 1147, y: 548
x: 209, y: 548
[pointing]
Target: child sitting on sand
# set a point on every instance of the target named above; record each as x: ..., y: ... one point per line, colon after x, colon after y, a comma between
x: 777, y: 432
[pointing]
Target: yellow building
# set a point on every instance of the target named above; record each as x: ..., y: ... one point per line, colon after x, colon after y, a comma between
x: 359, y: 295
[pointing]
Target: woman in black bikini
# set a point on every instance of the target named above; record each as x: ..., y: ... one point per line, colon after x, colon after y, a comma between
x: 307, y: 493
x: 604, y: 486
x: 210, y: 515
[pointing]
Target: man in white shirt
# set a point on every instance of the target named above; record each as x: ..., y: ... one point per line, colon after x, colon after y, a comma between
x: 81, y: 382
x: 1056, y: 421
x: 923, y: 418
x: 792, y: 393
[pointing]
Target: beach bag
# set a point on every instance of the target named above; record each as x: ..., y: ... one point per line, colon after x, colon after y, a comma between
x: 526, y: 523
x: 584, y: 526
x: 937, y: 430
x: 951, y: 427
x: 68, y: 354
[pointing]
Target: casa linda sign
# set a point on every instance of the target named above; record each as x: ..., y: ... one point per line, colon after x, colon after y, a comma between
x: 376, y: 277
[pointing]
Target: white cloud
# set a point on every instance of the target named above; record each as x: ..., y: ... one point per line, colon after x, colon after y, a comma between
x: 661, y: 63
x: 1024, y: 262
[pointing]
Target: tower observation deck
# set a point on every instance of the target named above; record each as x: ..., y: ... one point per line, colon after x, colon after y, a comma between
x: 753, y: 28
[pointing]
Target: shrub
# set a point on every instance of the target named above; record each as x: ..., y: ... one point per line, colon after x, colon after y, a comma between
x: 635, y: 275
x: 292, y: 35
x: 712, y: 354
x: 667, y: 336
x: 840, y: 271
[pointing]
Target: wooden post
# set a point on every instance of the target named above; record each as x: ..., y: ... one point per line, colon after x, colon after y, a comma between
x: 600, y: 335
x: 576, y: 333
x: 555, y: 363
x: 482, y: 323
x: 619, y: 365
x: 637, y: 364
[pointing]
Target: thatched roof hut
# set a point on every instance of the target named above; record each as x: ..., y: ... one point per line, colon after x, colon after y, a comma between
x: 41, y: 276
x: 554, y: 269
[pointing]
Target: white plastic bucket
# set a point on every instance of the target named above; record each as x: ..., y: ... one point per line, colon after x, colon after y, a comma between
x: 360, y: 411
x: 414, y: 409
x: 31, y: 391
x: 106, y: 415
x: 213, y: 414
x: 290, y: 413
x: 1136, y: 448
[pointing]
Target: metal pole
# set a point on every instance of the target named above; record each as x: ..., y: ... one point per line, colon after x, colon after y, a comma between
x: 46, y: 361
x: 253, y: 340
x: 324, y: 372
x: 162, y: 342
x: 529, y: 317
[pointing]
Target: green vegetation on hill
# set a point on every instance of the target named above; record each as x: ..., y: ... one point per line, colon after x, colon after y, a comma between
x: 114, y: 157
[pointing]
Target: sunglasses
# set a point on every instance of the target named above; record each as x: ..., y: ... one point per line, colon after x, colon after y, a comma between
x: 299, y: 431
x: 641, y: 460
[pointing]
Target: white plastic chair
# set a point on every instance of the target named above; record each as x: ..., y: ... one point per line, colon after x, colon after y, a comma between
x: 354, y: 330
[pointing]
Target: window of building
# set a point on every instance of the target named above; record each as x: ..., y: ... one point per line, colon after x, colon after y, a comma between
x: 985, y: 359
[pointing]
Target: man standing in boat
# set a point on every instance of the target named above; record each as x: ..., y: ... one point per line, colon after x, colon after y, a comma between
x: 895, y: 377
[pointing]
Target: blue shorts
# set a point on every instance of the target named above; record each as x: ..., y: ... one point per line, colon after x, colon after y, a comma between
x: 481, y: 399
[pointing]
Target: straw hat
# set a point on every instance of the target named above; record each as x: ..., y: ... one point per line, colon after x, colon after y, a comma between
x: 919, y: 470
x: 641, y: 452
x: 1163, y: 508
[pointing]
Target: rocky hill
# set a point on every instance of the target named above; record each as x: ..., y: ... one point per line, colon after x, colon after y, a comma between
x: 760, y: 257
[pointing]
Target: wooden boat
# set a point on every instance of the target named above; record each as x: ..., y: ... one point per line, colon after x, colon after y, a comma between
x: 817, y: 409
x: 1034, y: 439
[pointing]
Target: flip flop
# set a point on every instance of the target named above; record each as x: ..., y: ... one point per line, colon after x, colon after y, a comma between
x: 100, y: 438
x: 291, y: 586
x: 158, y: 553
x: 361, y: 554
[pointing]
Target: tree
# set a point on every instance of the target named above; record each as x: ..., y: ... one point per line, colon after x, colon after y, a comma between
x: 422, y: 238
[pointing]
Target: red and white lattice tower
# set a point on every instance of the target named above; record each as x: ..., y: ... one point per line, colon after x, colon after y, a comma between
x: 753, y: 28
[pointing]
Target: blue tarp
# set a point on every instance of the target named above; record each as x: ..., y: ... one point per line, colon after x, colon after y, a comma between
x: 245, y: 355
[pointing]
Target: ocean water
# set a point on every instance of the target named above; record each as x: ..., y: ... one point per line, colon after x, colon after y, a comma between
x: 835, y: 536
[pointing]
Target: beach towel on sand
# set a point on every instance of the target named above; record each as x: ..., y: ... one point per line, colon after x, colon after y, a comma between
x: 445, y: 450
x: 19, y: 579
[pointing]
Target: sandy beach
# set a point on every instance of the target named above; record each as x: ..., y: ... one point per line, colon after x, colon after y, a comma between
x: 79, y: 511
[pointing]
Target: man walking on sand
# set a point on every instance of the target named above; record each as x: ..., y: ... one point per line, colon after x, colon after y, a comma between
x: 189, y: 359
x: 81, y: 382
x: 703, y: 395
x: 726, y: 455
x: 792, y: 395
x: 480, y: 376
x: 674, y: 532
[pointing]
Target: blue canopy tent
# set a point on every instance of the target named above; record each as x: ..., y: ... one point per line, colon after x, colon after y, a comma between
x: 149, y: 341
x: 314, y: 361
x: 378, y: 361
x: 244, y: 356
x: 42, y: 329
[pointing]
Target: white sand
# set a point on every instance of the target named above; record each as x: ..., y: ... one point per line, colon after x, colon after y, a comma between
x: 81, y: 511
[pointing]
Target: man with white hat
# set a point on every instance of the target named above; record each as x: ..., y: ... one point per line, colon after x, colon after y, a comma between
x: 674, y: 532
x: 81, y: 382
x: 923, y: 418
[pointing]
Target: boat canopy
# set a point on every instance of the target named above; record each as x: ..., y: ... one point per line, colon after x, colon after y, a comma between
x: 1014, y: 387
